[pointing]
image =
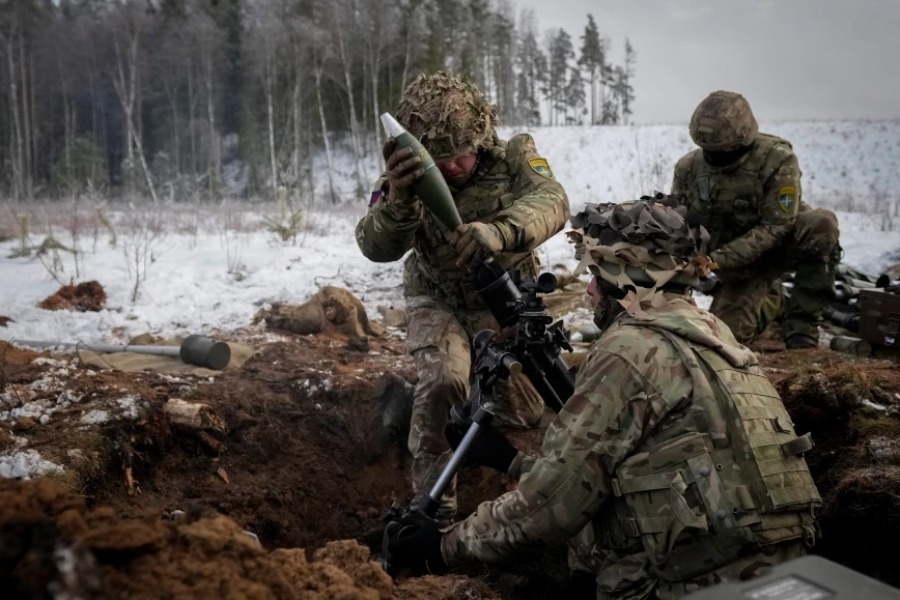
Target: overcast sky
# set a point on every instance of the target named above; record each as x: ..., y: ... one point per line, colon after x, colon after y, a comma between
x: 792, y: 59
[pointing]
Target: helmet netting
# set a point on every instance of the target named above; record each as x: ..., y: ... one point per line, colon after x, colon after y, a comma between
x: 639, y: 247
x: 448, y: 114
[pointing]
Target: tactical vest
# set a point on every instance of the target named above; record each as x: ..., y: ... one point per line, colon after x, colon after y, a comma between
x: 697, y: 501
x: 431, y: 267
x: 729, y: 202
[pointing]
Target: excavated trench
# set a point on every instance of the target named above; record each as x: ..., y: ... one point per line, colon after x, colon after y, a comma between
x: 312, y: 455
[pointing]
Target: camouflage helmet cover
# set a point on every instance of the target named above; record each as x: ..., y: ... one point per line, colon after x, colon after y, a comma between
x: 638, y: 246
x: 723, y: 122
x: 448, y: 114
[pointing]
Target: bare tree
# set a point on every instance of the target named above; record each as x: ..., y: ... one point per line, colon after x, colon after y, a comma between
x: 266, y: 35
x: 381, y: 26
x: 209, y: 42
x: 320, y: 55
x: 126, y: 37
x: 17, y: 144
x: 414, y: 35
x: 13, y: 40
x: 341, y: 21
x: 298, y: 29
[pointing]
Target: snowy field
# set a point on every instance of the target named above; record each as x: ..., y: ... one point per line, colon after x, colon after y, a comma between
x: 175, y: 270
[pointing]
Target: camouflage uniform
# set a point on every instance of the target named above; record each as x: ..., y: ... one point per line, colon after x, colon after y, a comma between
x: 759, y: 226
x: 511, y: 187
x: 674, y: 458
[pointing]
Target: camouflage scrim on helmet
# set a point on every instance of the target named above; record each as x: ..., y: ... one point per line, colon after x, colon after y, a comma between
x: 723, y: 122
x: 448, y: 114
x: 638, y: 246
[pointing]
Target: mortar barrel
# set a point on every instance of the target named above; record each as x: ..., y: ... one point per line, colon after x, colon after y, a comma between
x: 194, y: 350
x: 96, y: 347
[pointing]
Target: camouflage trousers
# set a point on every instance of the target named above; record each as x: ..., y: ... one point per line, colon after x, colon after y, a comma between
x: 752, y: 299
x: 632, y: 576
x: 440, y: 342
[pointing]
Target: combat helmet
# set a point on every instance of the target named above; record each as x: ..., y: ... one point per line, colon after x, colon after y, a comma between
x: 448, y: 114
x: 641, y: 247
x: 723, y: 122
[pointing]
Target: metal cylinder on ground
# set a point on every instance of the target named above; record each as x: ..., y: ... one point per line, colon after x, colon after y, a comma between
x: 851, y: 345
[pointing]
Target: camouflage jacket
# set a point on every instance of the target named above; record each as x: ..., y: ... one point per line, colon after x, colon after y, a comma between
x: 748, y: 207
x: 512, y: 187
x: 637, y: 392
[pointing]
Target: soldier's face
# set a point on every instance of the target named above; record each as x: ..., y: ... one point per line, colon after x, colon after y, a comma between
x: 458, y: 170
x: 593, y: 290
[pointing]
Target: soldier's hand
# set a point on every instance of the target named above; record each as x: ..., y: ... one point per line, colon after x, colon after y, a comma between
x: 414, y: 544
x: 402, y: 167
x: 475, y: 242
x: 704, y: 264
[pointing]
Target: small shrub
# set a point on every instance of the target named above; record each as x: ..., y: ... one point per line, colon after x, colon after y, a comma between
x: 285, y: 225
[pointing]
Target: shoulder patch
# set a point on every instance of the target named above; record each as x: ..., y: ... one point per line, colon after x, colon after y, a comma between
x: 787, y: 197
x: 375, y: 197
x: 541, y: 167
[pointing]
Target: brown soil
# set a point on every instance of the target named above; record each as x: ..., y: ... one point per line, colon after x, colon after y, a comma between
x: 83, y: 297
x: 312, y: 456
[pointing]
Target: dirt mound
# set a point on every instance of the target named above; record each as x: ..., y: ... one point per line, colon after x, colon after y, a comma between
x: 852, y: 410
x: 52, y: 546
x: 313, y: 450
x: 83, y: 297
x: 331, y: 309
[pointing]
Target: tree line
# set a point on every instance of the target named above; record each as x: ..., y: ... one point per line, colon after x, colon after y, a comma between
x: 179, y: 98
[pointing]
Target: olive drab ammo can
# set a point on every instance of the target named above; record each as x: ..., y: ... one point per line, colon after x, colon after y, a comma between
x: 879, y: 317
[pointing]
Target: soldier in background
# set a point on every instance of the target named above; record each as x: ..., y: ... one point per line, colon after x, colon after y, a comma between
x: 509, y: 202
x: 744, y: 188
x: 674, y: 464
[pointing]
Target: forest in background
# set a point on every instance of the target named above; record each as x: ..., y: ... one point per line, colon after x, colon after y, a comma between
x: 159, y: 99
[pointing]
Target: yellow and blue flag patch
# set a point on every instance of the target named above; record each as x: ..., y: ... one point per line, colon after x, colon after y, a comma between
x: 541, y: 167
x: 787, y: 198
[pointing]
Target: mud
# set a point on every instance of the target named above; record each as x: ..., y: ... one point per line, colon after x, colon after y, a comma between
x: 312, y: 455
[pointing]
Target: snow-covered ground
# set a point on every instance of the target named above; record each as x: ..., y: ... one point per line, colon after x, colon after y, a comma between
x: 212, y: 269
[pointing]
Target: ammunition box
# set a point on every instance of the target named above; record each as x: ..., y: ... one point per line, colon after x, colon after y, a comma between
x: 879, y: 318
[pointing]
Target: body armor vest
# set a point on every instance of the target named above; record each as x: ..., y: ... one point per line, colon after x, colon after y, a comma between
x: 431, y: 267
x: 702, y: 496
x: 728, y: 201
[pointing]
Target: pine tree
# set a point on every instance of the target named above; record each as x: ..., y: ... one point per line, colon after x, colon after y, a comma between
x: 593, y: 61
x: 531, y: 63
x: 561, y: 52
x: 502, y: 52
x: 574, y: 97
x: 624, y: 91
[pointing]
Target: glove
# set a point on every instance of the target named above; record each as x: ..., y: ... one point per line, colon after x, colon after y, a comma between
x: 704, y: 265
x: 490, y: 448
x: 475, y: 242
x: 414, y: 544
x: 402, y: 168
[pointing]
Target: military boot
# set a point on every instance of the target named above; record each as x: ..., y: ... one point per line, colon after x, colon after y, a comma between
x: 800, y: 339
x: 813, y: 289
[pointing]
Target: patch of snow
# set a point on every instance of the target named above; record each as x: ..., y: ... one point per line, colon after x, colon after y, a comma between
x: 26, y: 465
x: 95, y: 417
